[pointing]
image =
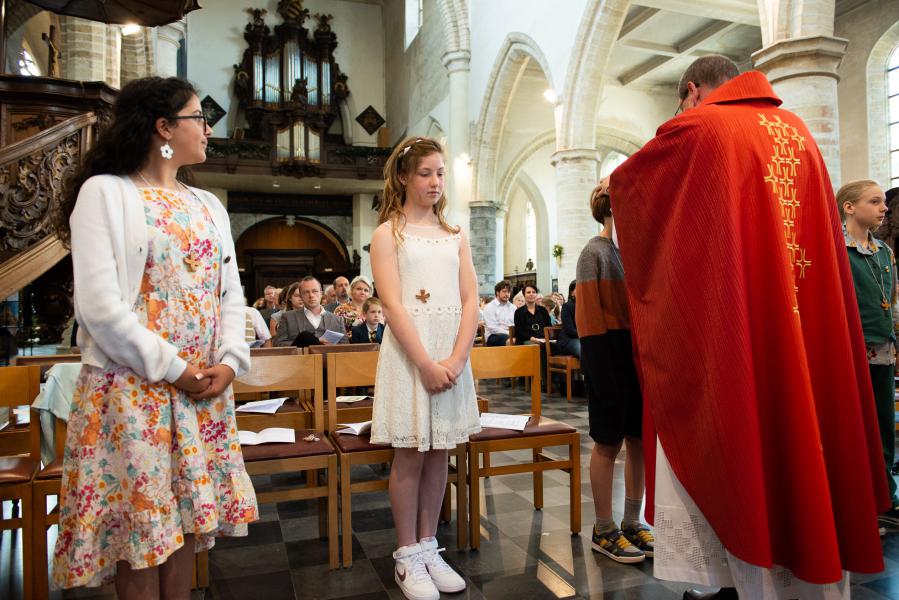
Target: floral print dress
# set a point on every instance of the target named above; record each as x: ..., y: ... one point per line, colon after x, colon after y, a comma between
x: 144, y: 464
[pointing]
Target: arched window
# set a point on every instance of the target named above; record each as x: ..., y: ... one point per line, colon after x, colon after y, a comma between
x: 612, y: 161
x: 531, y: 237
x: 25, y: 64
x: 893, y: 91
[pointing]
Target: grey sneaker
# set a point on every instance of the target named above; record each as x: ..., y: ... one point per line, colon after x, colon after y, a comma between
x: 641, y: 537
x: 616, y: 546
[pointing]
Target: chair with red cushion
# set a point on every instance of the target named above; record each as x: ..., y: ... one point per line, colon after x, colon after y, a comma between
x: 540, y: 433
x: 317, y: 458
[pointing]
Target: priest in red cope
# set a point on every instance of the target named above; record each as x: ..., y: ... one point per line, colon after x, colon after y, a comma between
x: 767, y: 462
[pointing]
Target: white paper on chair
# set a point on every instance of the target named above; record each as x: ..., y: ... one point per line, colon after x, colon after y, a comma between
x: 280, y: 435
x: 355, y: 428
x: 23, y: 415
x: 331, y: 337
x: 268, y: 407
x: 351, y: 399
x: 500, y: 421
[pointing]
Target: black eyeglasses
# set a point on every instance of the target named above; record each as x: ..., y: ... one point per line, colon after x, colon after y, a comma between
x: 200, y: 117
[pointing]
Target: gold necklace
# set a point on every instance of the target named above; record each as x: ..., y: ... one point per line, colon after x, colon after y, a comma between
x: 192, y: 262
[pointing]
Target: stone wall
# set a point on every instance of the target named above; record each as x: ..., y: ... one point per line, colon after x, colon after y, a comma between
x: 418, y: 79
x: 482, y: 223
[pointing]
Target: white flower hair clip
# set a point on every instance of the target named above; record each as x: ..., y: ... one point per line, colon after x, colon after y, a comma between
x: 409, y: 147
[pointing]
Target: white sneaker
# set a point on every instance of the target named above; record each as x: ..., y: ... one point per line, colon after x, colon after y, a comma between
x: 443, y: 575
x: 411, y: 574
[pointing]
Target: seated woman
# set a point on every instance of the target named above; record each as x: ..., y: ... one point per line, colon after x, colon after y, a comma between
x: 568, y: 343
x: 353, y: 312
x: 552, y: 308
x: 289, y: 299
x: 530, y: 319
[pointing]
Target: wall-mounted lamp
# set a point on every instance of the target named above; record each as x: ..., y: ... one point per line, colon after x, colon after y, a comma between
x: 130, y: 29
x: 551, y: 96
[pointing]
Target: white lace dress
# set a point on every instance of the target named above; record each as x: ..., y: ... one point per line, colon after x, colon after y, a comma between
x: 404, y: 414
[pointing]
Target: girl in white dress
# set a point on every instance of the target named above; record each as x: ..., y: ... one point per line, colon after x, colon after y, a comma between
x: 425, y: 401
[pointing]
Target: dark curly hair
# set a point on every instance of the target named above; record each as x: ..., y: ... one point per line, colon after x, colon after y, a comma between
x: 125, y: 144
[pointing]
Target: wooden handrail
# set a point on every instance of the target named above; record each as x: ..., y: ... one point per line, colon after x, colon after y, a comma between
x: 46, y: 138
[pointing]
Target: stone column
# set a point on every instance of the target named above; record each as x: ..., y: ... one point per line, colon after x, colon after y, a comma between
x: 137, y: 55
x: 365, y: 220
x: 457, y: 63
x: 803, y: 72
x: 113, y: 56
x: 576, y: 170
x: 483, y: 223
x: 168, y: 40
x: 84, y: 49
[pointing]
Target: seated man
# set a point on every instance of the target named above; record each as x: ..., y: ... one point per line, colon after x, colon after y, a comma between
x: 372, y: 329
x: 499, y: 315
x: 306, y: 327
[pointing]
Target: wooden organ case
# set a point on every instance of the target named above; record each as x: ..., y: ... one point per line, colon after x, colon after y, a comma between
x: 289, y: 86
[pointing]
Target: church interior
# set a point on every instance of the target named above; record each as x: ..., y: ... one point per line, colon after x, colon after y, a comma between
x: 534, y: 103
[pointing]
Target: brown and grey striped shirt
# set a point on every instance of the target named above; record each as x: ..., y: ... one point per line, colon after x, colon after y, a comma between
x: 601, y: 293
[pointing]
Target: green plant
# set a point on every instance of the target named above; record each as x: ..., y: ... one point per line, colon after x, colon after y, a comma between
x: 558, y: 251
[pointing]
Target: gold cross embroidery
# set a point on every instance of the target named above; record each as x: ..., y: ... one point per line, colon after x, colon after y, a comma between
x: 802, y: 263
x: 423, y: 296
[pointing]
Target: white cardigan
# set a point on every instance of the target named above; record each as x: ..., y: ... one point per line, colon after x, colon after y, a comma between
x: 109, y: 251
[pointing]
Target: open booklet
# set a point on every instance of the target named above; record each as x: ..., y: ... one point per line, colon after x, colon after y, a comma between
x: 355, y: 428
x: 268, y: 407
x: 501, y: 421
x: 351, y: 399
x: 331, y: 337
x: 281, y: 435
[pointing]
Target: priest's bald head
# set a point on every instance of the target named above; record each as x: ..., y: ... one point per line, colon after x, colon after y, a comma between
x: 702, y: 77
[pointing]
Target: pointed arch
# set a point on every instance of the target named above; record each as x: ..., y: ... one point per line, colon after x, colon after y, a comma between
x: 534, y: 197
x: 517, y: 51
x: 593, y: 46
x: 456, y: 29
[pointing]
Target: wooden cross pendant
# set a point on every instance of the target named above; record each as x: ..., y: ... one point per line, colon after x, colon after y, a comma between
x: 423, y: 295
x: 192, y: 263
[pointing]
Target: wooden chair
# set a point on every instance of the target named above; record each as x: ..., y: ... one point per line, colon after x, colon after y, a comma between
x: 19, y: 386
x: 345, y: 370
x: 558, y: 363
x: 540, y: 432
x: 300, y: 373
x: 48, y: 482
x: 480, y: 338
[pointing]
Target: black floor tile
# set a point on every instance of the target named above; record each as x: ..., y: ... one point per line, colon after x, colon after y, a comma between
x: 372, y: 519
x: 248, y: 560
x: 272, y: 586
x: 265, y: 532
x: 538, y: 583
x: 886, y: 586
x: 319, y: 583
x: 309, y: 553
